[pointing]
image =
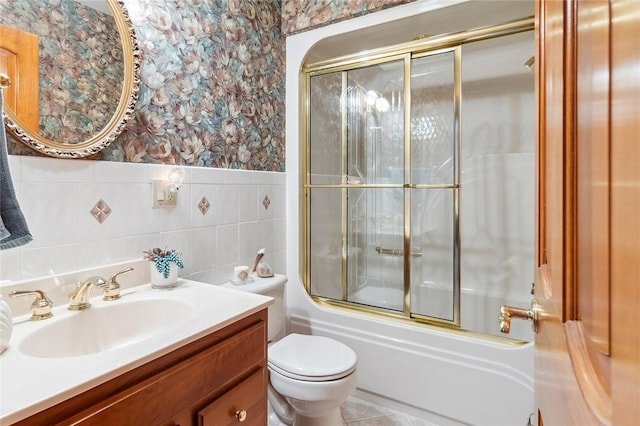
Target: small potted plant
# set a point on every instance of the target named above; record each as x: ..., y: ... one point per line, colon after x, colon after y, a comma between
x: 164, y: 269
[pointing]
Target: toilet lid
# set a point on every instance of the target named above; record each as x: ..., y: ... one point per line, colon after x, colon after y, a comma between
x: 311, y: 358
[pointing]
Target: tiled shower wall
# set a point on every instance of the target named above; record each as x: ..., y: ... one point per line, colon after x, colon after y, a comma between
x: 246, y: 212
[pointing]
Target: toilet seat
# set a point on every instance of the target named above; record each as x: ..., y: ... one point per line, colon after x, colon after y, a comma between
x: 311, y: 358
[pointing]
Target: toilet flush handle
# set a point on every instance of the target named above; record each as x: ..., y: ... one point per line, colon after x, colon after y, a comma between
x: 241, y: 415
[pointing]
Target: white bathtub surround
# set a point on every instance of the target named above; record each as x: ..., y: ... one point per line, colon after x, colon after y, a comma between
x: 431, y: 373
x: 59, y: 199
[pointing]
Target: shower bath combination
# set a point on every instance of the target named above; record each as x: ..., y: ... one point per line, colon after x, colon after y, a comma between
x: 421, y: 189
x: 368, y: 250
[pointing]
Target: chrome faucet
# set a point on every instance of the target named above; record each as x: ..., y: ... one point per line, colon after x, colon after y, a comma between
x: 79, y: 299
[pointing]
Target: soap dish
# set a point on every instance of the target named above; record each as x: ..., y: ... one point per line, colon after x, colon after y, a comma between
x: 237, y: 281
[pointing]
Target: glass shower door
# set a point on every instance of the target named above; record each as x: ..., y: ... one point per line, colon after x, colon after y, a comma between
x: 417, y: 206
x: 434, y: 187
x: 374, y: 198
x: 356, y: 146
x: 384, y: 185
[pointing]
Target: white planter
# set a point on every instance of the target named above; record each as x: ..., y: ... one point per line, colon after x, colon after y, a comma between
x: 6, y: 324
x: 159, y: 281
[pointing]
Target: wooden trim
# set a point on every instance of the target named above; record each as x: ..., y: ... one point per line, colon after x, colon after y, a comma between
x: 558, y: 397
x: 586, y: 375
x: 570, y: 178
x: 625, y: 205
x: 540, y: 83
x: 593, y: 180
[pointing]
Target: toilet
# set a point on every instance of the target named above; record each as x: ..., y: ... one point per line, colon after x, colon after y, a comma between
x: 309, y: 376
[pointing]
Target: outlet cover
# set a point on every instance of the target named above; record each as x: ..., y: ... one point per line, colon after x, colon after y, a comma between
x: 162, y: 195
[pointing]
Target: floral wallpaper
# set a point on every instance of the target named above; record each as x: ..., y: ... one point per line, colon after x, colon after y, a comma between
x: 212, y: 78
x: 80, y: 56
x: 212, y: 85
x: 302, y: 15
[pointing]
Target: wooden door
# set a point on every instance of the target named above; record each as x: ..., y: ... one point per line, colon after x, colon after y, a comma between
x: 587, y: 357
x: 20, y: 61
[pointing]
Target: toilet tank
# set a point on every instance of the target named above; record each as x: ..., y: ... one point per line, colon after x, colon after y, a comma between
x: 272, y: 287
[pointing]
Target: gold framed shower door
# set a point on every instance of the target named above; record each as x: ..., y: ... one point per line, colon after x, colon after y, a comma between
x: 404, y: 53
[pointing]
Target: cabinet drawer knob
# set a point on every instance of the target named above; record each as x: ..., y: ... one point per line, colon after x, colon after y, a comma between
x: 241, y: 415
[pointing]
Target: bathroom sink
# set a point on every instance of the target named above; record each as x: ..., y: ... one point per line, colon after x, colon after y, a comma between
x: 105, y: 328
x: 61, y: 357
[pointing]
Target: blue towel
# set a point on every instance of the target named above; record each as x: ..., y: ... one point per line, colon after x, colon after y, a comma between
x: 13, y: 227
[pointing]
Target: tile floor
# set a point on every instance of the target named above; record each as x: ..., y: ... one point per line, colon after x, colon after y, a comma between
x: 358, y: 412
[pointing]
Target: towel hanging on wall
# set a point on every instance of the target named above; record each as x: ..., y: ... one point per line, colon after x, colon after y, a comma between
x: 13, y: 226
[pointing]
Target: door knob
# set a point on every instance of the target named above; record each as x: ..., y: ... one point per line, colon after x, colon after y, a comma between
x: 509, y: 312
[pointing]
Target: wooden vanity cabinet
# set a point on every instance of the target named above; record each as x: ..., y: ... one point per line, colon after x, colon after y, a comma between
x: 224, y: 410
x: 208, y: 382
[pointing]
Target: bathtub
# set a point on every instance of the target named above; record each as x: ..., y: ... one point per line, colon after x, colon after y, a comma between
x: 479, y: 307
x: 442, y: 376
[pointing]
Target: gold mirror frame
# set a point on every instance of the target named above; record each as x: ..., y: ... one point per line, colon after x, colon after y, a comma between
x: 124, y: 111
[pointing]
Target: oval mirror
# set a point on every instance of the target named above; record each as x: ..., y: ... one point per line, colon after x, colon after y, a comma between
x: 74, y: 69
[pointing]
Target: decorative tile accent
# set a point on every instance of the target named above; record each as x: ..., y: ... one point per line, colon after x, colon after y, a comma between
x: 204, y: 205
x: 266, y: 202
x: 101, y: 211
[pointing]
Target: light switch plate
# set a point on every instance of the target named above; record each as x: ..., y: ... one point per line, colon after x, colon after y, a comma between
x: 161, y: 195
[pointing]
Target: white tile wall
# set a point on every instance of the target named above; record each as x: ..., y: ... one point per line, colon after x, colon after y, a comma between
x: 57, y: 196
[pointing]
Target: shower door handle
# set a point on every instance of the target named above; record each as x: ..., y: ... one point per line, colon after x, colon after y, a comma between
x: 509, y: 312
x: 397, y: 252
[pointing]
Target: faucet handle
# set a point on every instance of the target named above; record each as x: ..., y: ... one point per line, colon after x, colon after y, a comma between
x: 112, y: 290
x: 42, y: 306
x: 96, y: 280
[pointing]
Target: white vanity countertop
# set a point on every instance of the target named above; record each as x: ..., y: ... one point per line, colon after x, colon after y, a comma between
x: 30, y: 384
